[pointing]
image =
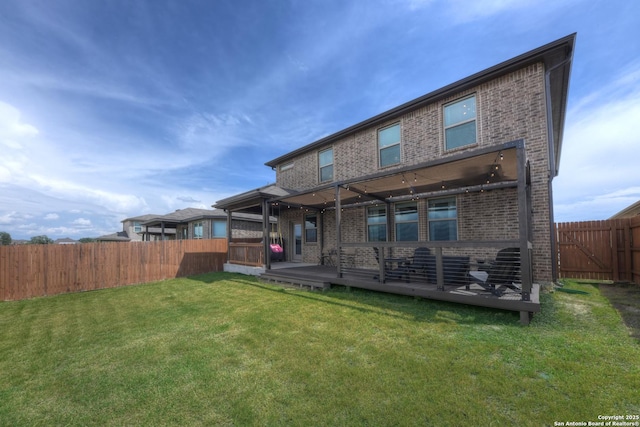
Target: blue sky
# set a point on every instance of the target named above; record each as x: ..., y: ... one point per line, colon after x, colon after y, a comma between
x: 112, y: 109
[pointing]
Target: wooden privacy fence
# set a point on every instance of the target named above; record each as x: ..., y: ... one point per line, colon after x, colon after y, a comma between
x: 28, y: 271
x: 600, y: 250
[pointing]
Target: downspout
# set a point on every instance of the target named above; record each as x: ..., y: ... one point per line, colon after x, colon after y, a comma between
x: 338, y: 206
x: 553, y: 170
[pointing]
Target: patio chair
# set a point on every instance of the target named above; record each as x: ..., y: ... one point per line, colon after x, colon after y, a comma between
x: 501, y: 273
x: 389, y: 272
x: 455, y: 270
x: 416, y: 266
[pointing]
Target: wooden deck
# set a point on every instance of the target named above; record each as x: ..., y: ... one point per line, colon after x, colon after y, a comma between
x: 322, y: 277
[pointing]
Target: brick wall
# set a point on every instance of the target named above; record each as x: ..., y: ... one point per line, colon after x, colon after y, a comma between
x: 508, y: 108
x: 245, y: 229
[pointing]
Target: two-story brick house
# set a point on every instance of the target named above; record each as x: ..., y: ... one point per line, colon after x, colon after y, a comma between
x: 465, y: 171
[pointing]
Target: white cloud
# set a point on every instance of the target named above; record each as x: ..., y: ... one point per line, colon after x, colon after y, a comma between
x: 7, y: 218
x: 82, y: 222
x: 51, y: 216
x: 600, y: 152
x: 12, y: 127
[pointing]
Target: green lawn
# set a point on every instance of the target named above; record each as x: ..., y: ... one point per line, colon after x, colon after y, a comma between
x: 223, y: 349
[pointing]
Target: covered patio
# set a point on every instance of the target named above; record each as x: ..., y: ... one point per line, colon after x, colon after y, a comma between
x: 462, y: 271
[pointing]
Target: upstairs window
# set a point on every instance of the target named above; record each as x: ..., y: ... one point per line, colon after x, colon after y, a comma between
x: 311, y: 228
x: 460, y: 123
x: 406, y: 219
x: 389, y: 145
x: 137, y: 227
x: 325, y: 165
x: 377, y: 224
x: 443, y: 219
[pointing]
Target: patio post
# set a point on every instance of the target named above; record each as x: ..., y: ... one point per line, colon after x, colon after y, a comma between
x: 265, y: 234
x: 523, y: 221
x: 229, y: 236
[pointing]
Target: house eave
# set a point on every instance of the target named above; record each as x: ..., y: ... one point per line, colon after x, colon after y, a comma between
x: 250, y: 201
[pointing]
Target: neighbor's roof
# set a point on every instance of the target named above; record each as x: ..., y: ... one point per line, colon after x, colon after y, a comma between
x: 141, y: 218
x: 628, y: 212
x: 120, y: 236
x: 194, y: 214
x: 557, y: 58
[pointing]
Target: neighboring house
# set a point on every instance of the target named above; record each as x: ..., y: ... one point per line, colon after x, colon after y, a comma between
x: 189, y: 223
x: 192, y: 223
x: 131, y: 230
x: 65, y: 241
x: 465, y: 170
x: 628, y: 212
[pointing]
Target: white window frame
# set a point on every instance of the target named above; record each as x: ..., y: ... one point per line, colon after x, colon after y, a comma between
x: 416, y: 221
x: 396, y: 144
x: 213, y: 228
x: 474, y: 119
x: 306, y: 238
x: 196, y: 225
x: 430, y: 221
x: 321, y: 167
x: 385, y: 223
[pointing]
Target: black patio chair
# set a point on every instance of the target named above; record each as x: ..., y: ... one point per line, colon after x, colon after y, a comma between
x: 389, y: 272
x: 502, y: 273
x: 417, y: 266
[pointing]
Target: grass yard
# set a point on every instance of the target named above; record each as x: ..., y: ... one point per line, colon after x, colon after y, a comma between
x: 224, y: 349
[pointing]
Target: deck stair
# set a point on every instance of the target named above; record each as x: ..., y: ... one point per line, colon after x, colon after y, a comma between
x: 307, y: 279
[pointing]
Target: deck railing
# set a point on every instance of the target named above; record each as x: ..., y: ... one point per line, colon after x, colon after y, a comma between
x: 494, y: 266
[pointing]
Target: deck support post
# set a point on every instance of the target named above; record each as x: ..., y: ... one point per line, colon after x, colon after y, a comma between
x: 381, y: 265
x: 523, y: 221
x: 439, y: 269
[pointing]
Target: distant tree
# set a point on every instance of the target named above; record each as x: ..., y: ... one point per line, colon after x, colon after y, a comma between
x: 40, y: 240
x: 87, y: 240
x: 5, y: 238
